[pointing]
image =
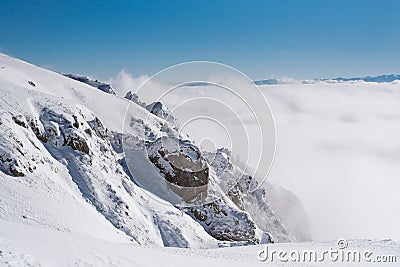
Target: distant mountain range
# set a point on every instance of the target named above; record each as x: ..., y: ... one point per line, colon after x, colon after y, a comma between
x: 376, y: 79
x: 268, y: 82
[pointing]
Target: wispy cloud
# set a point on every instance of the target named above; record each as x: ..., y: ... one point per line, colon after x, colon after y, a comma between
x: 124, y: 82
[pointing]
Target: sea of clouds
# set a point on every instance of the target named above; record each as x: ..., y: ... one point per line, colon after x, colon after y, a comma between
x: 338, y: 150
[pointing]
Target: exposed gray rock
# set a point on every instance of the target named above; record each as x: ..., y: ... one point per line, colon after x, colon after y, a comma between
x: 95, y: 83
x: 225, y: 222
x: 160, y: 111
x: 241, y: 192
x: 134, y: 98
x: 182, y: 165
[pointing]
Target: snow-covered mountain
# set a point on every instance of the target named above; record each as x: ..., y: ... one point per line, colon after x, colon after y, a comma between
x: 386, y: 78
x: 66, y: 165
x: 376, y: 79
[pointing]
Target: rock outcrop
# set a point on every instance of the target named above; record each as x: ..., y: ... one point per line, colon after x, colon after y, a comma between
x: 95, y: 83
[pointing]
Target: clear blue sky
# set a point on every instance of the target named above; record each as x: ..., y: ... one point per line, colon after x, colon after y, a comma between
x: 300, y: 39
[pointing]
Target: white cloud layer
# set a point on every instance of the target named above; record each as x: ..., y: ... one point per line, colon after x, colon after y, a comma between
x: 338, y: 150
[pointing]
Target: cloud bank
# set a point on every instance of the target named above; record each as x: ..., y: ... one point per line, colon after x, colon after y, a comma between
x: 338, y: 150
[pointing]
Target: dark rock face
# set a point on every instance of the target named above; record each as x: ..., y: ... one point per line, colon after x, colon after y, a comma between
x: 12, y: 164
x: 99, y: 128
x: 77, y: 143
x: 31, y: 83
x: 15, y: 172
x: 224, y: 222
x: 20, y: 120
x: 13, y: 159
x: 134, y: 98
x: 182, y: 165
x: 95, y: 83
x: 62, y: 131
x: 160, y: 111
x: 37, y: 130
x: 244, y: 192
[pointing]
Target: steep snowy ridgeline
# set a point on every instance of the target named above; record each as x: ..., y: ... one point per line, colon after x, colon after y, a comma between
x: 95, y: 83
x: 62, y: 127
x: 37, y: 128
x: 73, y: 250
x: 109, y: 108
x: 65, y: 140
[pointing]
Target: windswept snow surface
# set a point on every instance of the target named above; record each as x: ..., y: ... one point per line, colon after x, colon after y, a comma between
x: 22, y: 245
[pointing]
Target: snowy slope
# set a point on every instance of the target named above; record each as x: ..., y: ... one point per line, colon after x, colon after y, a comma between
x: 58, y: 126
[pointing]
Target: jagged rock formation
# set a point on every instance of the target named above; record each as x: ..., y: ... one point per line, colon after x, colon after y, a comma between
x: 182, y: 165
x: 95, y: 83
x: 226, y: 222
x: 159, y: 110
x: 243, y: 190
x: 134, y: 98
